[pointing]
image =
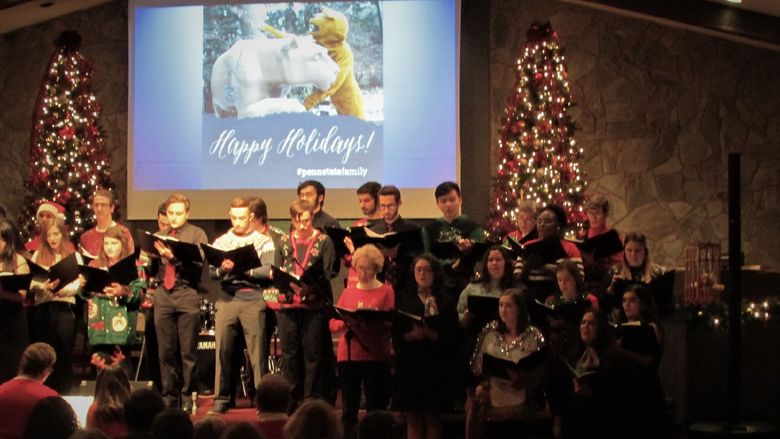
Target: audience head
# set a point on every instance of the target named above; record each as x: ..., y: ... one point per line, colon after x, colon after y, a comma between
x: 103, y: 205
x: 389, y: 202
x: 177, y: 208
x: 112, y: 390
x: 638, y: 304
x: 115, y: 246
x: 570, y: 281
x: 368, y: 262
x: 427, y: 273
x: 37, y: 361
x: 594, y: 330
x: 513, y: 311
x: 526, y: 218
x: 368, y: 197
x: 210, y: 427
x: 314, y: 419
x: 141, y: 409
x: 498, y: 267
x: 240, y: 216
x: 635, y: 252
x: 550, y: 221
x: 89, y: 433
x: 313, y: 192
x: 242, y: 430
x: 379, y: 424
x: 259, y: 210
x: 172, y: 423
x: 51, y: 418
x: 448, y: 199
x: 597, y: 209
x: 162, y: 218
x: 8, y: 243
x: 48, y: 210
x: 273, y: 394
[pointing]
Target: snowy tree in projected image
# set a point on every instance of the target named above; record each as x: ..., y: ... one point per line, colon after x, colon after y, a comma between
x: 68, y: 158
x: 538, y: 159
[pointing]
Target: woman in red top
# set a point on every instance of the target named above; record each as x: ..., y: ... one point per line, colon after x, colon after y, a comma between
x: 364, y: 350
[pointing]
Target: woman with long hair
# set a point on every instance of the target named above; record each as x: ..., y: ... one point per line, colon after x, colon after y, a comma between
x: 495, y: 278
x: 113, y: 312
x: 13, y: 322
x: 51, y: 319
x: 637, y: 267
x: 640, y: 338
x: 599, y: 405
x: 426, y: 349
x: 571, y: 286
x: 508, y: 407
x: 112, y: 389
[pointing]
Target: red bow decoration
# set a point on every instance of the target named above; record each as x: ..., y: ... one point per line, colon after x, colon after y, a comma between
x: 99, y: 359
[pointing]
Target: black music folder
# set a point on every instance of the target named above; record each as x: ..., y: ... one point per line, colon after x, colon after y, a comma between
x: 66, y: 270
x: 579, y: 372
x: 409, y: 240
x: 569, y: 311
x: 183, y: 251
x: 546, y: 251
x: 122, y: 272
x: 311, y: 276
x: 661, y: 288
x: 499, y: 367
x: 15, y: 282
x: 244, y: 258
x: 637, y: 337
x: 337, y: 235
x: 365, y: 314
x: 603, y: 245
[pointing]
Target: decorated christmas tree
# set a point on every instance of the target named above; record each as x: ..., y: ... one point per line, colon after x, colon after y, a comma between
x: 538, y: 159
x: 68, y: 158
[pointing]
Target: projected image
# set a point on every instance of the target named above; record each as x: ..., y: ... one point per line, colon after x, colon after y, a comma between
x: 325, y: 58
x: 234, y: 96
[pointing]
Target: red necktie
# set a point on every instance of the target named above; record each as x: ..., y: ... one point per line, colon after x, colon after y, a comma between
x: 169, y: 279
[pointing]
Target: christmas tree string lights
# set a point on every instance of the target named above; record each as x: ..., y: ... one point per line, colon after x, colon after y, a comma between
x: 68, y: 158
x: 538, y: 159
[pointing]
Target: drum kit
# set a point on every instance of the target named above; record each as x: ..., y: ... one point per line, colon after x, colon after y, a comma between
x: 208, y: 317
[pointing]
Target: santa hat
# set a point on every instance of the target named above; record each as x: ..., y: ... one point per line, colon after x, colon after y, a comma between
x: 53, y: 208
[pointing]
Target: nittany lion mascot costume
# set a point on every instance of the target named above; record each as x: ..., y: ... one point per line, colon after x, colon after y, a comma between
x: 331, y: 32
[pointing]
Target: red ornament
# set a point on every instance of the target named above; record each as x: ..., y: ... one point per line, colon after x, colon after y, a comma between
x: 67, y: 132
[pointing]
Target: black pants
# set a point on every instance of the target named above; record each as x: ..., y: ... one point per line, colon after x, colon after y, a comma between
x: 374, y: 377
x: 308, y: 362
x: 54, y: 323
x: 177, y: 320
x: 151, y: 352
x: 13, y: 338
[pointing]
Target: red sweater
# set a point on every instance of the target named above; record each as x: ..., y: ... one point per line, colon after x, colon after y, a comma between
x: 376, y: 335
x: 17, y: 399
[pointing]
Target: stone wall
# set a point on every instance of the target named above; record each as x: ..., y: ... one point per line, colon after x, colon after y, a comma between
x: 24, y: 55
x: 659, y: 109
